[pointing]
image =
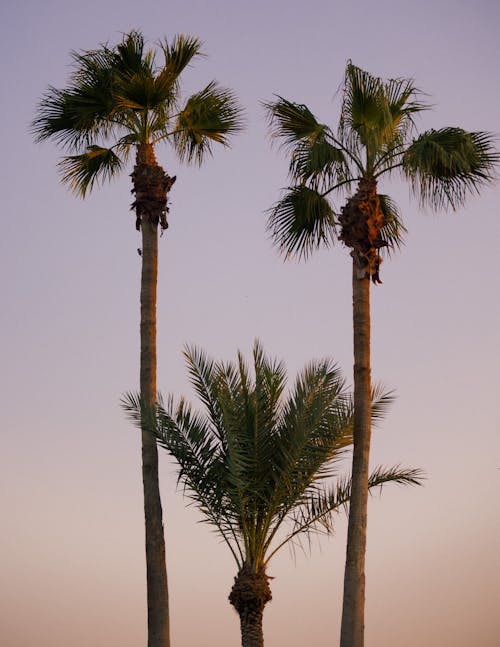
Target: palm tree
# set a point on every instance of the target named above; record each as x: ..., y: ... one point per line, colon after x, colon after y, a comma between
x: 376, y: 138
x: 255, y: 463
x: 120, y: 100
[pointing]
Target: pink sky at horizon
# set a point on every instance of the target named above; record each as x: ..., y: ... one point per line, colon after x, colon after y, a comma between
x: 72, y: 563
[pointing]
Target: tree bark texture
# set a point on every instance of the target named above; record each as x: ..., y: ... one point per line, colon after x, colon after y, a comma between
x: 249, y: 595
x: 362, y: 220
x: 353, y: 624
x: 151, y: 187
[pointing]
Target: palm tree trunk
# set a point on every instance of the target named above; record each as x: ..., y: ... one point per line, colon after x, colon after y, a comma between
x: 156, y: 572
x: 149, y: 186
x: 352, y: 629
x: 251, y: 629
x: 249, y: 596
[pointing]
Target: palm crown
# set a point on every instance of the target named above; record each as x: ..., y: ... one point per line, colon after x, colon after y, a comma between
x: 258, y: 457
x: 255, y: 463
x: 376, y: 136
x: 121, y: 97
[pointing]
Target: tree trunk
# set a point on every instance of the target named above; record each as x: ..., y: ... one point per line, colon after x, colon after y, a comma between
x: 156, y: 571
x: 151, y: 187
x: 251, y: 629
x: 249, y: 595
x: 353, y: 624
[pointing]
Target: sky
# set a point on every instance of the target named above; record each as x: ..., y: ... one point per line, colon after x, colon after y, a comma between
x: 72, y: 546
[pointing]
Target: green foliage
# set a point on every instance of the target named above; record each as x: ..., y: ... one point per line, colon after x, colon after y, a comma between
x: 301, y: 221
x: 259, y: 461
x: 446, y: 165
x: 376, y: 136
x: 81, y: 171
x: 393, y: 231
x: 119, y: 97
x: 208, y: 116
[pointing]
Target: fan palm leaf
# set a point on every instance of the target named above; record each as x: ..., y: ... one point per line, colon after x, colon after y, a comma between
x: 97, y: 164
x: 445, y: 165
x: 208, y: 116
x: 301, y: 221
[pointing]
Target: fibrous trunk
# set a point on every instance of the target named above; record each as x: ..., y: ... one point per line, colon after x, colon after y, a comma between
x: 249, y: 595
x: 151, y: 186
x: 362, y: 221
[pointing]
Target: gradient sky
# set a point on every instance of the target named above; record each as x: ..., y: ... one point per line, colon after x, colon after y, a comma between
x: 72, y: 557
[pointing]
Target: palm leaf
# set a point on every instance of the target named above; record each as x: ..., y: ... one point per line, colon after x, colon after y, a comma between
x: 256, y: 456
x: 142, y: 92
x: 393, y: 230
x: 363, y: 113
x: 203, y: 376
x: 445, y: 166
x: 301, y: 221
x: 74, y: 117
x: 97, y: 164
x: 381, y: 401
x: 319, y: 163
x: 316, y: 514
x: 179, y: 54
x: 130, y: 58
x: 316, y: 419
x: 208, y: 116
x: 292, y: 123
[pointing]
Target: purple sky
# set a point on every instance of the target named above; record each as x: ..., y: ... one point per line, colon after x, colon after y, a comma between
x: 72, y: 562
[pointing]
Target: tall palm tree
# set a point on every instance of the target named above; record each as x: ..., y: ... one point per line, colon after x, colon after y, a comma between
x: 127, y: 99
x: 255, y: 462
x: 376, y: 138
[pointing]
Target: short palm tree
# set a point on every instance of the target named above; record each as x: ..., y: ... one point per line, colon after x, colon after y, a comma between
x: 121, y: 100
x: 376, y: 138
x: 258, y: 462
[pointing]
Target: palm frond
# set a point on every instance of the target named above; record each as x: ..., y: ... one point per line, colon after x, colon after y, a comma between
x: 403, y: 102
x: 208, y: 116
x: 75, y: 117
x: 317, y: 510
x: 319, y: 163
x: 292, y: 122
x: 257, y: 456
x: 143, y: 92
x: 179, y: 54
x: 315, y: 427
x: 133, y: 406
x: 118, y: 97
x: 130, y: 57
x: 55, y: 120
x: 377, y: 115
x: 445, y: 166
x: 202, y: 471
x: 381, y: 401
x: 362, y: 111
x: 97, y: 164
x: 202, y: 372
x: 393, y: 230
x: 301, y: 221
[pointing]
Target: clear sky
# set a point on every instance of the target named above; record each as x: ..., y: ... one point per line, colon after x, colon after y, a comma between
x: 72, y: 557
